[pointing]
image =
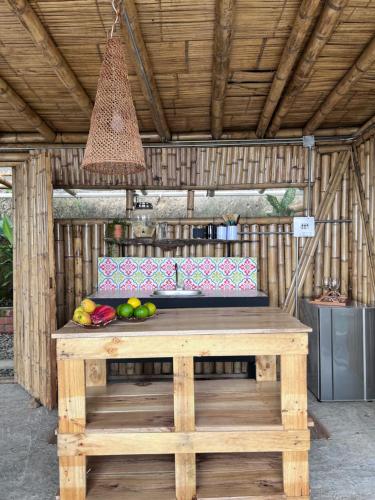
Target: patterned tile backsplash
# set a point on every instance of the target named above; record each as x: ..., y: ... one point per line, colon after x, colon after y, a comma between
x: 206, y: 273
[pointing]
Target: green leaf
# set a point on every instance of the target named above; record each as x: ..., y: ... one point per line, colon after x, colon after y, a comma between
x: 7, y: 229
x: 288, y: 197
x: 274, y: 202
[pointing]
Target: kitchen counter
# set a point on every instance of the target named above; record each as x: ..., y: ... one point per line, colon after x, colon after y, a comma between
x: 238, y: 418
x: 209, y: 298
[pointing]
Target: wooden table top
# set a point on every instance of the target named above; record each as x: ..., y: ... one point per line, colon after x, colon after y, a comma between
x: 178, y: 322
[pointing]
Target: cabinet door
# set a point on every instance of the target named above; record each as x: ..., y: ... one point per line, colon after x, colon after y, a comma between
x: 347, y: 347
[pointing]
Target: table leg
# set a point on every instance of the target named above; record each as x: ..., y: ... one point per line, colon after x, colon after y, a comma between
x: 96, y: 372
x: 294, y: 417
x: 184, y: 421
x: 266, y: 369
x: 72, y: 419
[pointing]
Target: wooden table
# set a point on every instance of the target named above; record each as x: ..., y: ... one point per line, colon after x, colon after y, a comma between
x: 144, y: 425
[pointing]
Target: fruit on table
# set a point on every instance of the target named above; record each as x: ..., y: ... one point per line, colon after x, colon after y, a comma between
x: 125, y: 310
x: 103, y: 314
x: 151, y: 308
x: 141, y: 312
x: 81, y: 317
x: 88, y: 305
x: 134, y: 302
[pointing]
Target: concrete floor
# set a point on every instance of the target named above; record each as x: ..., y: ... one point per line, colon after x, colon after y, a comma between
x: 342, y: 468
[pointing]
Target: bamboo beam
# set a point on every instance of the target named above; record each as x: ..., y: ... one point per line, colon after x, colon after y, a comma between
x: 20, y: 106
x: 5, y: 183
x: 31, y: 22
x: 14, y: 157
x: 305, y: 19
x: 22, y: 138
x: 222, y: 48
x: 322, y: 33
x: 321, y: 214
x: 362, y: 64
x: 365, y: 217
x: 133, y: 35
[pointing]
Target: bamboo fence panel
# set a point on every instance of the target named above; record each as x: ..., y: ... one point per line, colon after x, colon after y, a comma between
x: 230, y: 167
x: 34, y: 275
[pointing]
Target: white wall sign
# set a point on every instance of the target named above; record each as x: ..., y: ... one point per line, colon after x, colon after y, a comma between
x: 303, y: 227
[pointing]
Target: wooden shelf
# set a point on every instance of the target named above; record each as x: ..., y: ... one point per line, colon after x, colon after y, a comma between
x: 219, y: 476
x: 170, y: 243
x: 234, y: 404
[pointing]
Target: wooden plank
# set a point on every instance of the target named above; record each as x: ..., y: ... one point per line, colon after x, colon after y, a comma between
x: 129, y: 443
x: 184, y: 421
x: 96, y: 372
x: 220, y: 476
x: 194, y: 345
x: 266, y: 368
x: 294, y: 416
x: 203, y: 389
x: 209, y: 321
x: 72, y: 418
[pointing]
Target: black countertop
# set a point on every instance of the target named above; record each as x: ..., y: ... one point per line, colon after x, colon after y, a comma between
x: 209, y: 298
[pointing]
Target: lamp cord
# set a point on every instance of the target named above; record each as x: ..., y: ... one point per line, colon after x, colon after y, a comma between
x: 116, y: 10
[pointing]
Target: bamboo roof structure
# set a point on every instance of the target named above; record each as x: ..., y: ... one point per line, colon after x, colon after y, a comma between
x: 211, y: 68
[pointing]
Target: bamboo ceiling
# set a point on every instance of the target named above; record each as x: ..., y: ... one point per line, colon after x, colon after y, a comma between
x: 183, y: 44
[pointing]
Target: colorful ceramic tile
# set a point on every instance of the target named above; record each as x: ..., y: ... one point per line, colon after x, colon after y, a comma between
x: 206, y: 273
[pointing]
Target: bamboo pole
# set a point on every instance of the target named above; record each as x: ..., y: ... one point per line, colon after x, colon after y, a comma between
x: 361, y: 66
x: 273, y: 288
x: 303, y: 23
x: 32, y: 24
x: 220, y: 67
x: 322, y: 33
x: 5, y: 183
x: 69, y: 270
x: 87, y: 277
x: 60, y: 275
x: 20, y: 106
x: 137, y: 47
x: 322, y: 212
x: 364, y: 214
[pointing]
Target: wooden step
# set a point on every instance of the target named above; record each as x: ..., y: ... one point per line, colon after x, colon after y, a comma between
x: 219, y: 476
x: 220, y: 405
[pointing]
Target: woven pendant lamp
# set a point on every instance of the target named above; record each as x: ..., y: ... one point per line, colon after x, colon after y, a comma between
x: 114, y: 145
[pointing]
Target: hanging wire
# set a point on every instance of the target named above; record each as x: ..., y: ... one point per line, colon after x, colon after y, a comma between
x: 116, y: 10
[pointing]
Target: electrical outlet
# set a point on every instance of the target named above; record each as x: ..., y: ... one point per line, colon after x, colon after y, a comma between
x: 303, y: 227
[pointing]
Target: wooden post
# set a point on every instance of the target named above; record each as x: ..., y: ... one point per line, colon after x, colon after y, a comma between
x: 294, y: 417
x: 184, y: 421
x: 72, y: 420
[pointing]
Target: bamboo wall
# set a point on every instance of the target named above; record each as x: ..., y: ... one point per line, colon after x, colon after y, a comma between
x: 34, y: 279
x: 79, y: 243
x: 341, y: 251
x: 198, y: 167
x: 361, y: 282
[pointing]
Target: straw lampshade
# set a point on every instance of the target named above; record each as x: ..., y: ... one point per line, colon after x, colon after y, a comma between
x: 114, y: 145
